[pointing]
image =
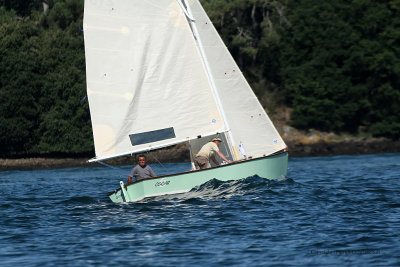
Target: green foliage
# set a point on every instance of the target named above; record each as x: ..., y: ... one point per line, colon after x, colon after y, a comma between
x: 18, y: 86
x: 6, y: 16
x: 42, y: 80
x: 336, y: 63
x: 249, y: 29
x: 339, y: 63
x: 64, y: 13
x: 64, y: 124
x: 21, y: 7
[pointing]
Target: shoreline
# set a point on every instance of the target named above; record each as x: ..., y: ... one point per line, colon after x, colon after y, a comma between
x: 297, y: 148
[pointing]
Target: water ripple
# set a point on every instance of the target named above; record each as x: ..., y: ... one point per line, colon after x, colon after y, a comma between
x: 332, y: 211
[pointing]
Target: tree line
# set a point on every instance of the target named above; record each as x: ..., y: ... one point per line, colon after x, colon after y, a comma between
x: 334, y: 64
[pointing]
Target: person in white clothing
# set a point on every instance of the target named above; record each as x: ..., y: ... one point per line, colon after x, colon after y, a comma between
x: 207, y: 153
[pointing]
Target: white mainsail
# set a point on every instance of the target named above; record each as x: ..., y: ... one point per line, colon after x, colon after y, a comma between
x: 146, y: 82
x: 248, y: 121
x: 148, y: 86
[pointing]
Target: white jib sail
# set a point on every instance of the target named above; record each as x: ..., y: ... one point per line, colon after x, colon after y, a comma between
x: 146, y: 82
x: 247, y: 119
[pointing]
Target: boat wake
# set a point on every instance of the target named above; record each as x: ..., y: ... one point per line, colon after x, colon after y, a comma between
x: 247, y: 186
x: 252, y: 186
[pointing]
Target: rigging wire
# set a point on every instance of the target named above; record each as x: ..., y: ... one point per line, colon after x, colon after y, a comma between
x: 112, y: 167
x: 157, y: 161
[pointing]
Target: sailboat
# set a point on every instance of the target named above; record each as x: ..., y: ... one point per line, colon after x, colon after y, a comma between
x: 158, y: 75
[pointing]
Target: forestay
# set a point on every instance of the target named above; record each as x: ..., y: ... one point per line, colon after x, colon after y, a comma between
x: 146, y: 82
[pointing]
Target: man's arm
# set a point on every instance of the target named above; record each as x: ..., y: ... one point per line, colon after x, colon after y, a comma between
x: 215, y: 161
x: 152, y: 173
x: 223, y: 157
x: 132, y: 174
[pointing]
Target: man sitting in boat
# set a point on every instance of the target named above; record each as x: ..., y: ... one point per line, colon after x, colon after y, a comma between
x: 207, y: 152
x: 140, y: 171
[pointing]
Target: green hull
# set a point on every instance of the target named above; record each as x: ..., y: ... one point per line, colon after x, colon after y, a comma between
x: 272, y: 167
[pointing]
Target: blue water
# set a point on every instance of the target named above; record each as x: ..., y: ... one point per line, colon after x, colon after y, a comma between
x: 331, y: 211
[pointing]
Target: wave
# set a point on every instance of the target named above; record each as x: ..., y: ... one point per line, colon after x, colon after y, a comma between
x: 217, y: 189
x: 80, y: 200
x: 252, y: 185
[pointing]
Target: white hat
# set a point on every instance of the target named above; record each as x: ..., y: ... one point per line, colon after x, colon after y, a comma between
x: 216, y: 139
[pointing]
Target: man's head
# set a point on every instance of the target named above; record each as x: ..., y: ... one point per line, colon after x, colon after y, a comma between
x: 216, y: 140
x: 142, y: 160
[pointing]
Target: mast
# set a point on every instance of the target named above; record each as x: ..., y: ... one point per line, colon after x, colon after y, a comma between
x: 211, y: 78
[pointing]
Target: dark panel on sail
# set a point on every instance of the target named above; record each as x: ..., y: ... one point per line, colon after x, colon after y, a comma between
x: 152, y: 136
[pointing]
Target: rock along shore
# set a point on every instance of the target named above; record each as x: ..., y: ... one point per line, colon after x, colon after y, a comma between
x: 306, y: 146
